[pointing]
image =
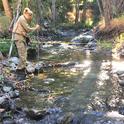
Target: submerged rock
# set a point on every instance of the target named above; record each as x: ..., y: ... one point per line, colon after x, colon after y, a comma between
x: 8, y: 121
x: 54, y: 110
x: 5, y: 103
x: 48, y: 80
x: 22, y: 121
x: 91, y: 45
x: 36, y: 114
x: 69, y: 119
x: 45, y: 91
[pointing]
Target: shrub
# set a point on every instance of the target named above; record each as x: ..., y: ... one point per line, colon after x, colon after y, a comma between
x: 5, y: 46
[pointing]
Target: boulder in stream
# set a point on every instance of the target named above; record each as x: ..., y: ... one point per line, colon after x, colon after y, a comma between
x: 14, y: 60
x: 36, y: 114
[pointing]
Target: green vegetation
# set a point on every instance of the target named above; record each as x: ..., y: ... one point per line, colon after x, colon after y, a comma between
x: 119, y: 44
x: 4, y: 23
x: 5, y: 46
x: 105, y: 44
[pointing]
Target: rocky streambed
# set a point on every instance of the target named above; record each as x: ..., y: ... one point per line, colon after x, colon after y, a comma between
x: 69, y: 84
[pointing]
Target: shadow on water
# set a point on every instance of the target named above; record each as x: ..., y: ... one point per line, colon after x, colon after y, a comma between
x: 86, y: 84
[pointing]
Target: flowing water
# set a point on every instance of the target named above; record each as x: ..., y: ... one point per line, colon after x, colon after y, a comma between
x: 70, y: 88
x: 86, y: 86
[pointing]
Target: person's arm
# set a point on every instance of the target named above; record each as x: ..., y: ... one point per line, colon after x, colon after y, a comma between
x: 27, y: 27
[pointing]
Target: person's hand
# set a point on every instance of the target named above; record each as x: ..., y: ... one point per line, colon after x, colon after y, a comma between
x: 37, y: 27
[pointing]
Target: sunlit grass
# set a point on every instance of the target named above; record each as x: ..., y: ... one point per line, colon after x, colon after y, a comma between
x: 119, y: 42
x: 89, y: 22
x: 105, y: 44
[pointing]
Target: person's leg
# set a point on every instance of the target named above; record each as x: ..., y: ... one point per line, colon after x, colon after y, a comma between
x: 22, y: 52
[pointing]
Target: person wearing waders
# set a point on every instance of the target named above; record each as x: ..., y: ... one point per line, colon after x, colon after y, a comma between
x: 20, y: 30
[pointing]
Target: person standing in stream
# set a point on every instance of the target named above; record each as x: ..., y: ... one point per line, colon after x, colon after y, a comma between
x: 20, y: 30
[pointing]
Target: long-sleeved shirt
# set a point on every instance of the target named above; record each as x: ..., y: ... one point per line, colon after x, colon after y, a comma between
x: 21, y: 28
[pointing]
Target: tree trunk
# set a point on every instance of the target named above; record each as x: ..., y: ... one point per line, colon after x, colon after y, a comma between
x: 107, y: 9
x: 54, y: 10
x: 7, y: 9
x: 100, y: 8
x: 39, y: 14
x: 77, y: 11
x: 120, y: 6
